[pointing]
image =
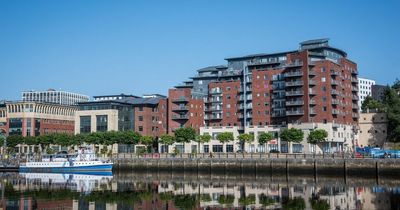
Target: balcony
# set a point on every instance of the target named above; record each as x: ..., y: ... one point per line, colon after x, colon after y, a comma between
x: 215, y: 91
x: 335, y: 125
x: 294, y: 64
x: 277, y: 106
x: 355, y: 98
x: 354, y: 72
x: 354, y: 89
x: 248, y: 115
x: 312, y: 82
x: 312, y: 73
x: 294, y: 83
x: 334, y: 83
x: 334, y: 73
x: 312, y: 92
x: 294, y: 112
x: 312, y: 102
x: 295, y: 93
x: 313, y: 112
x: 213, y: 109
x: 180, y: 100
x: 248, y: 106
x: 335, y: 111
x: 180, y: 109
x: 355, y: 106
x: 354, y: 80
x: 277, y: 96
x: 260, y: 62
x: 335, y: 101
x: 278, y: 114
x: 180, y: 117
x: 334, y: 92
x: 295, y: 103
x: 356, y: 115
x: 293, y: 74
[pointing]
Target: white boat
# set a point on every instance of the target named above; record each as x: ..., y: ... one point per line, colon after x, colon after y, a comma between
x: 85, y: 160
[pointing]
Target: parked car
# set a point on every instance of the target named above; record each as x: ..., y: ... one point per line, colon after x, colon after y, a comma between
x: 274, y: 151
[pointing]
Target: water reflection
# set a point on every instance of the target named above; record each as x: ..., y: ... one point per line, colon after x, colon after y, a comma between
x: 155, y: 191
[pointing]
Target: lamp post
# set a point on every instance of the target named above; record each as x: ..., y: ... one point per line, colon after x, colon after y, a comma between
x: 3, y: 136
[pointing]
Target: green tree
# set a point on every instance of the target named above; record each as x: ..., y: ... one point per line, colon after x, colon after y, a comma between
x: 78, y: 139
x: 319, y: 204
x: 14, y: 140
x: 265, y: 200
x: 264, y: 138
x: 317, y: 136
x: 62, y: 139
x: 130, y: 137
x: 292, y: 135
x: 245, y: 137
x: 148, y: 141
x: 201, y: 139
x: 185, y: 201
x: 226, y: 200
x: 44, y: 141
x: 225, y: 137
x: 296, y: 203
x: 166, y: 140
x: 185, y: 135
x: 247, y: 200
x: 391, y: 102
x: 371, y: 104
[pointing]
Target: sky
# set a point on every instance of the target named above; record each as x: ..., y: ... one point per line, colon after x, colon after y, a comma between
x: 98, y: 47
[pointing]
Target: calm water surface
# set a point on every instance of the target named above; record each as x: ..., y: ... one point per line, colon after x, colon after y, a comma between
x: 183, y: 191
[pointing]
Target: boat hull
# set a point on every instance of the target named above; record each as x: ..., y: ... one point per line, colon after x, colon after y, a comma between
x: 89, y: 168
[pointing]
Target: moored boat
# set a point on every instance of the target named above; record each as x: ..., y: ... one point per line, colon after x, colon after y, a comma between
x: 85, y: 160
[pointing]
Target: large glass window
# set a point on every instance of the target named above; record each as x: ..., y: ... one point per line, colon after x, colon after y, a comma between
x: 217, y: 148
x: 101, y: 123
x: 85, y: 124
x: 206, y: 148
x: 37, y: 127
x: 15, y: 126
x: 297, y: 148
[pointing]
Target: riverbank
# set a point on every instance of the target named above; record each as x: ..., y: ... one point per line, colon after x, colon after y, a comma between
x: 366, y: 168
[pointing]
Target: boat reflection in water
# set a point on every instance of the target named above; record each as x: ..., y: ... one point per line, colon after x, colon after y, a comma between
x: 174, y: 191
x: 77, y: 182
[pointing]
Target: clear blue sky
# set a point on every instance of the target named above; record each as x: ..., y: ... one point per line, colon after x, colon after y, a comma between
x: 99, y: 47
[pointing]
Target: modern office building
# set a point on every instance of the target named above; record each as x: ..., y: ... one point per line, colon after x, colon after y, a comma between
x: 54, y: 96
x: 378, y: 92
x: 364, y: 89
x: 146, y: 115
x: 313, y: 87
x: 33, y: 118
x: 113, y: 97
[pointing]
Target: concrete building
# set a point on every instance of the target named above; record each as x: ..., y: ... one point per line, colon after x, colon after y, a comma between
x: 145, y: 115
x: 33, y: 118
x: 373, y: 129
x: 313, y: 87
x: 364, y: 89
x: 53, y: 96
x: 113, y: 97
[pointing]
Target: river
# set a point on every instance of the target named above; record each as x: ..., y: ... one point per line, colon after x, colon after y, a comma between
x: 193, y: 191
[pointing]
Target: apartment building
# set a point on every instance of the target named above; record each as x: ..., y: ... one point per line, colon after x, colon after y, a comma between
x: 54, y: 96
x: 313, y: 87
x: 364, y: 89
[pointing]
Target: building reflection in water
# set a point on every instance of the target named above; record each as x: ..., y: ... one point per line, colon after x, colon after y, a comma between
x: 125, y: 191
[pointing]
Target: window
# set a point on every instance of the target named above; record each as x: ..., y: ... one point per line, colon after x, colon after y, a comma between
x: 206, y: 148
x: 324, y: 109
x: 229, y: 148
x: 140, y: 109
x: 228, y: 106
x: 200, y: 82
x: 140, y: 128
x: 101, y: 123
x: 228, y: 96
x: 323, y: 69
x: 266, y: 94
x: 217, y: 148
x: 85, y: 122
x: 323, y: 79
x: 228, y: 88
x: 140, y: 118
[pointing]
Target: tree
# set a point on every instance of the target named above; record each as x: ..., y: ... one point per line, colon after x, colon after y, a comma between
x: 62, y: 139
x: 203, y: 139
x: 245, y: 137
x: 317, y: 136
x: 185, y: 135
x: 292, y: 135
x: 44, y: 141
x: 225, y: 137
x: 296, y: 203
x: 263, y: 138
x: 371, y: 104
x: 166, y: 140
x: 147, y: 140
x: 14, y: 140
x: 391, y: 103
